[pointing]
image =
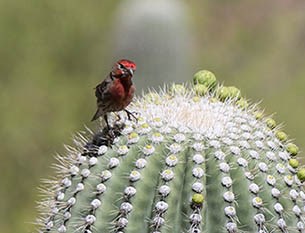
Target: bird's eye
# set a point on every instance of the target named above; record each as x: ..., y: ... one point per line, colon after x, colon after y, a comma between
x: 121, y: 67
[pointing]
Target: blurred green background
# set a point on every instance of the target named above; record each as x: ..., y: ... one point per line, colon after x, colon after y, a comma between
x: 52, y: 54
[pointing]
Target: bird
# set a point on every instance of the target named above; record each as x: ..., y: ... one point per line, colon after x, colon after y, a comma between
x: 116, y: 91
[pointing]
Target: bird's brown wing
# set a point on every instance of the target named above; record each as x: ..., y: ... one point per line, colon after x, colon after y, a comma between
x: 102, y: 95
x: 101, y: 89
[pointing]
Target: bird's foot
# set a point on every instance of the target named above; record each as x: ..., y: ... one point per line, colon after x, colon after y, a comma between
x: 131, y: 114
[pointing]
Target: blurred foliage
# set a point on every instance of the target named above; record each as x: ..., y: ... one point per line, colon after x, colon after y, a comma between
x: 52, y: 54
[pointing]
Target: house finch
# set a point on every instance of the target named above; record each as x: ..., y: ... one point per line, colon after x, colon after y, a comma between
x: 116, y: 92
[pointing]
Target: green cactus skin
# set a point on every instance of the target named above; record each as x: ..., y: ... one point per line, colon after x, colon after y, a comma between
x: 191, y: 163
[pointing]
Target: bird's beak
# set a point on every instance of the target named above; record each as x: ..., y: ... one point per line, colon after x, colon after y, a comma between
x: 130, y: 72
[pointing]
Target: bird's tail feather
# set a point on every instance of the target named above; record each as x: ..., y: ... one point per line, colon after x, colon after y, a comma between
x: 97, y: 115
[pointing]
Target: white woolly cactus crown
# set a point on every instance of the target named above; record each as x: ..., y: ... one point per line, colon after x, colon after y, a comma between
x: 198, y: 159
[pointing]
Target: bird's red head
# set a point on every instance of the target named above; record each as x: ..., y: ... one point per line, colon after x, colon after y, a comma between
x: 123, y: 68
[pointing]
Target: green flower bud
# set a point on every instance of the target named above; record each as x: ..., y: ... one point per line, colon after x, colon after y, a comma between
x: 206, y: 78
x: 242, y: 103
x: 197, y: 198
x: 301, y: 174
x: 293, y: 163
x: 151, y: 97
x: 200, y: 89
x: 178, y: 89
x: 292, y: 149
x: 223, y: 93
x: 133, y: 135
x: 213, y: 100
x: 196, y: 99
x: 281, y: 136
x: 271, y: 123
x: 258, y: 115
x: 234, y: 92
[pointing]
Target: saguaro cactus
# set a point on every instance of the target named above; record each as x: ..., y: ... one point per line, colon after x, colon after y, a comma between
x: 199, y: 159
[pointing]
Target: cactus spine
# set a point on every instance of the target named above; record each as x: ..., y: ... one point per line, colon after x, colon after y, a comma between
x: 199, y: 159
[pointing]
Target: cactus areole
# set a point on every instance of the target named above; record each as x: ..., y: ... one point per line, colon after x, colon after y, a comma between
x: 200, y: 158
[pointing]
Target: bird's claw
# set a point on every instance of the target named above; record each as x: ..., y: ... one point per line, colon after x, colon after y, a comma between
x: 131, y: 114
